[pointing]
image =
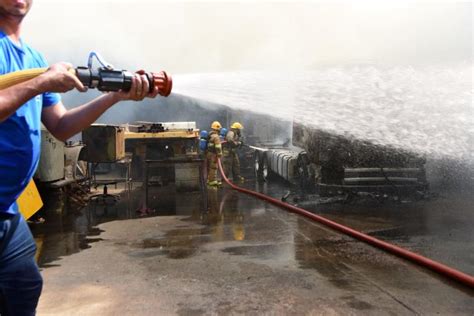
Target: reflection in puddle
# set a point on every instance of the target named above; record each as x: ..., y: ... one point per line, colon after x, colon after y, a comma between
x: 67, y: 231
x: 221, y: 221
x: 258, y: 251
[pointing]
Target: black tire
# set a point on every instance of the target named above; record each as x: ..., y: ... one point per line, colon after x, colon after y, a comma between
x: 260, y: 166
x: 304, y: 172
x: 265, y: 168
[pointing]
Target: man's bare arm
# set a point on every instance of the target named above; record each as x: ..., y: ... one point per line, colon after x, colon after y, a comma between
x: 56, y: 79
x: 64, y: 123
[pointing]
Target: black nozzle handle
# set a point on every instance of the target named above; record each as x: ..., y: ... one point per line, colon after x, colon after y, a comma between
x: 105, y: 79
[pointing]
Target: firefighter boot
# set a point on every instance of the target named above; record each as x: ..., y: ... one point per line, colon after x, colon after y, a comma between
x: 214, y: 183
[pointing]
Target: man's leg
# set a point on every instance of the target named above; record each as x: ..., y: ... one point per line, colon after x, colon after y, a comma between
x: 236, y: 167
x: 20, y: 280
x: 209, y: 166
x: 227, y: 164
x: 21, y: 289
x: 212, y: 171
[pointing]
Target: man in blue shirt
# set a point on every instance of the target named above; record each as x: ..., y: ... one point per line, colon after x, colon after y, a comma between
x: 22, y: 109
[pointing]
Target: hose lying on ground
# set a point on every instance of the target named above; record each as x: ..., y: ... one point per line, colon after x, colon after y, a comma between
x: 401, y: 252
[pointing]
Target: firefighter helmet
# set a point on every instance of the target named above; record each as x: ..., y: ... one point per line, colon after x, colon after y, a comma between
x: 216, y: 125
x: 237, y: 125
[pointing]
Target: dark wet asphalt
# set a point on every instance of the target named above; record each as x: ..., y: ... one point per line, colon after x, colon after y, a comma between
x: 439, y: 228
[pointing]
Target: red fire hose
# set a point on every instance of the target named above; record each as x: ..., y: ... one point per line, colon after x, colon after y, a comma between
x: 416, y: 258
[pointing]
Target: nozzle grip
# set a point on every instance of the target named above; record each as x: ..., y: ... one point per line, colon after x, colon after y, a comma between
x: 104, y: 79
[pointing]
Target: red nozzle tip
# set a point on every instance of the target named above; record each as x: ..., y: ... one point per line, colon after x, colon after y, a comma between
x: 163, y: 82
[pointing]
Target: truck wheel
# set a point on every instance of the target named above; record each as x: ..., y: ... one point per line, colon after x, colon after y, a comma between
x: 256, y: 164
x: 304, y: 172
x: 260, y: 166
x: 265, y: 169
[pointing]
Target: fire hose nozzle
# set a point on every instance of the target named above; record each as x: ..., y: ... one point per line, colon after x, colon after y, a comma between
x: 106, y: 79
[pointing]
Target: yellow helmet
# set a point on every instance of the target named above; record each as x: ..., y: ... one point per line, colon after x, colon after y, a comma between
x: 237, y: 125
x: 216, y: 125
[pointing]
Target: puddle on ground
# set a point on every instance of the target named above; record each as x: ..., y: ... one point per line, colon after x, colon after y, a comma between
x: 360, y: 305
x: 263, y: 252
x: 68, y: 229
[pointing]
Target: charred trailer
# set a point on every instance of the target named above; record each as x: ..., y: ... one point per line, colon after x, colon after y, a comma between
x: 332, y: 165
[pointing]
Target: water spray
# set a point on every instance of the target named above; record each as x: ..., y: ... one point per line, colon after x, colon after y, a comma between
x: 104, y: 78
x: 256, y: 148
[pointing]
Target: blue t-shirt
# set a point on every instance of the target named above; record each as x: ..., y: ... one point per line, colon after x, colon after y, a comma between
x: 20, y: 134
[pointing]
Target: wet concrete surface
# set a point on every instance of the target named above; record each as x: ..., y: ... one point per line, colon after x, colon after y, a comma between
x: 227, y: 253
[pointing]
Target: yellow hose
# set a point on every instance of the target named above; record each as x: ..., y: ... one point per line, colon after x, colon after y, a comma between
x: 17, y: 77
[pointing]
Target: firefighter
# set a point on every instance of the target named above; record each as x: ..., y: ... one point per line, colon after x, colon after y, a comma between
x: 214, y: 151
x: 231, y: 158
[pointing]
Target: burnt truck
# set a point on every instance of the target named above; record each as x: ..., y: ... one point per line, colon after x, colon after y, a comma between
x: 150, y: 152
x: 61, y: 163
x: 328, y: 164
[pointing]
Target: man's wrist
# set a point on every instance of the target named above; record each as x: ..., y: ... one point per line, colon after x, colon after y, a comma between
x: 41, y: 84
x: 115, y: 97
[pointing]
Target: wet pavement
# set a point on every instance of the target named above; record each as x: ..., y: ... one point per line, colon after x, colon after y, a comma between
x: 228, y: 253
